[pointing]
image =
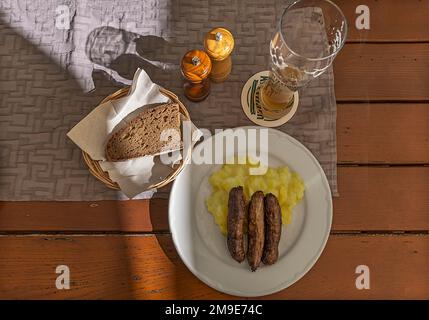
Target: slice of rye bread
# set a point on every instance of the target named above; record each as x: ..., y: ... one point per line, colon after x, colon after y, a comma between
x: 142, y: 136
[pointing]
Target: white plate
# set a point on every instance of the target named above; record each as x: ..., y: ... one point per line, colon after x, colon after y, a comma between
x: 203, y: 248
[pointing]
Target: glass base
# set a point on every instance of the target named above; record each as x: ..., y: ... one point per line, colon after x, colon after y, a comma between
x: 274, y: 114
x: 252, y: 106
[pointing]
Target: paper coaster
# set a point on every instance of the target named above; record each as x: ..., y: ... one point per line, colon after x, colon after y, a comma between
x: 250, y: 102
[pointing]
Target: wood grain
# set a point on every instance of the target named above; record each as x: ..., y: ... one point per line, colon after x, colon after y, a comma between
x: 148, y: 267
x: 95, y: 216
x: 382, y: 198
x: 371, y: 198
x: 382, y: 72
x: 390, y: 133
x: 390, y: 20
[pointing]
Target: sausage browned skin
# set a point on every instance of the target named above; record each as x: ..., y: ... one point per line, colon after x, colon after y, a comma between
x: 235, y: 224
x: 255, y: 231
x: 273, y: 228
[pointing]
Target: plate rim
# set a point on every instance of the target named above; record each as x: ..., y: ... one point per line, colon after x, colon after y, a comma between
x: 308, y: 266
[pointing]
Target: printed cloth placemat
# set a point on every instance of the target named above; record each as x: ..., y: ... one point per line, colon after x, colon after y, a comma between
x: 60, y: 58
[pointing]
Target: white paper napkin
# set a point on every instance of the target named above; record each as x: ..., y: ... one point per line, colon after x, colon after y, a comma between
x: 91, y: 134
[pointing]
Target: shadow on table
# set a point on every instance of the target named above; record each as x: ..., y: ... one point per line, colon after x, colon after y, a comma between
x: 186, y: 285
x: 121, y: 53
x: 41, y: 102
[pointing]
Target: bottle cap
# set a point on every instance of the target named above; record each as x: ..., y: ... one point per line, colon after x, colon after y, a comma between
x: 196, y: 65
x: 218, y: 43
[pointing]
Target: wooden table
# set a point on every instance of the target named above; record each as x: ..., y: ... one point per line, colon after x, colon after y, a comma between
x: 381, y: 219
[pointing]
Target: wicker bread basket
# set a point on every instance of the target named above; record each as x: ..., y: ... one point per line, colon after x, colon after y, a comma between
x: 94, y: 166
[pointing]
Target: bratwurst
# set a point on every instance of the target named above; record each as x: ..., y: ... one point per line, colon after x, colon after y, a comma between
x: 255, y: 230
x: 235, y: 223
x: 273, y: 229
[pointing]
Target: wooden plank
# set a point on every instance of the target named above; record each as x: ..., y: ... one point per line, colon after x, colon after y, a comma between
x: 367, y: 196
x: 382, y: 72
x: 148, y: 267
x: 382, y: 198
x: 390, y: 133
x: 128, y: 216
x: 390, y: 20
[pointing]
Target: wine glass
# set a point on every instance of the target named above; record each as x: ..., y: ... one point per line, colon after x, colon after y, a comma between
x: 309, y: 35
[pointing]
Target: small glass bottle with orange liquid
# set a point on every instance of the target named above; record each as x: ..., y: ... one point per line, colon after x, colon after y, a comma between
x: 219, y: 44
x: 196, y: 67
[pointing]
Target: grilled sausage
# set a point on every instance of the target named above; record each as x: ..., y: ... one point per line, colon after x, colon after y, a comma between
x: 255, y: 231
x: 235, y: 223
x: 273, y: 228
